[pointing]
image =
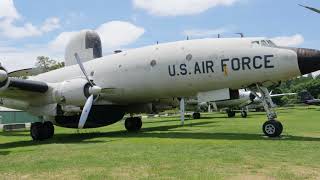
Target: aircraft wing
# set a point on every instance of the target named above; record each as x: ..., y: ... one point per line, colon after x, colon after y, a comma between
x: 25, y: 72
x: 284, y: 94
x: 311, y: 8
x: 22, y: 88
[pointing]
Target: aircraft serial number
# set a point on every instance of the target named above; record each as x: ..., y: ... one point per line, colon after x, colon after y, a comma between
x: 235, y: 64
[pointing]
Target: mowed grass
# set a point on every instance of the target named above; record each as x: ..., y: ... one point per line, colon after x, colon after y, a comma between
x: 214, y: 147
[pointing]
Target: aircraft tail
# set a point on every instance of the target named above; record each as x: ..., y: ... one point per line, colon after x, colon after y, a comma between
x: 305, y: 96
x: 87, y: 44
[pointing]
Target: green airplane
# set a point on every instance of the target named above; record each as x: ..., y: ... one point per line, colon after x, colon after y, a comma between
x: 311, y: 8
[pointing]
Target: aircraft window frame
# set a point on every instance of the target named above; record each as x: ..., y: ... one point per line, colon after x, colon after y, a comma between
x: 272, y: 44
x: 255, y: 44
x: 264, y: 43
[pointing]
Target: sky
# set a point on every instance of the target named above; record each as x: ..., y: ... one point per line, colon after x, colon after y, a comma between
x: 31, y: 28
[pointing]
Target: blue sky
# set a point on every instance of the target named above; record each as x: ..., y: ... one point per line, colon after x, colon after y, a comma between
x: 36, y: 27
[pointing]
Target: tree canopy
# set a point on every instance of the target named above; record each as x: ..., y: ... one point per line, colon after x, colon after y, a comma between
x: 47, y: 64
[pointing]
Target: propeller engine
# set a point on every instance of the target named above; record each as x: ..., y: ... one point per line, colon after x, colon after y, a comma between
x: 4, y: 78
x: 78, y: 92
x: 93, y: 90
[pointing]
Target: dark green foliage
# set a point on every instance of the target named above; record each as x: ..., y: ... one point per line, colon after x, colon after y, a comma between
x: 47, y: 64
x: 295, y: 86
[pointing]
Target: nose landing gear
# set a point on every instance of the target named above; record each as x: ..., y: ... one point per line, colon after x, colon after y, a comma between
x: 272, y: 127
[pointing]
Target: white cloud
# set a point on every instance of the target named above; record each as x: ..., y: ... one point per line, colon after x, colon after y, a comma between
x: 199, y: 33
x: 179, y: 7
x: 9, y: 30
x: 8, y: 17
x: 50, y: 24
x: 8, y: 10
x: 114, y: 34
x: 294, y: 40
x: 20, y: 58
x: 61, y: 41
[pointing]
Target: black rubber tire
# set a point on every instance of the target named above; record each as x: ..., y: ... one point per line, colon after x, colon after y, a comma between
x: 49, y: 128
x: 133, y: 124
x: 272, y: 128
x: 138, y: 123
x: 38, y: 131
x: 34, y: 131
x: 196, y: 115
x: 244, y: 114
x: 231, y: 114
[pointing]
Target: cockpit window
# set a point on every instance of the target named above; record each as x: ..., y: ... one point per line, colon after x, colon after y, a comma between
x: 265, y: 43
x: 255, y: 43
x: 272, y: 44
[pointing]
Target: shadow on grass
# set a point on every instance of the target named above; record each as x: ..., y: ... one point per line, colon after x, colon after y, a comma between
x: 151, y: 132
x: 63, y: 139
x: 16, y: 134
x: 178, y: 120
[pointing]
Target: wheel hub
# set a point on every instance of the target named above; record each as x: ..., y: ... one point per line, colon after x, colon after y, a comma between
x: 270, y: 129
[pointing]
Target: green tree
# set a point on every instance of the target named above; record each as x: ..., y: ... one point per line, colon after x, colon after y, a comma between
x: 47, y: 64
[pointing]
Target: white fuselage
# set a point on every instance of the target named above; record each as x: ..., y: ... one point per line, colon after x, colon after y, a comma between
x: 182, y: 69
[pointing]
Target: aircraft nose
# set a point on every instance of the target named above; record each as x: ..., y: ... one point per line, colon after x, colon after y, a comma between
x: 308, y: 60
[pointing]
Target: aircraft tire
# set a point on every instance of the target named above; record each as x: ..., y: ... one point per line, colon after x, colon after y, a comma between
x: 231, y: 114
x: 272, y: 128
x: 133, y: 124
x: 244, y: 114
x: 38, y: 132
x: 48, y: 126
x: 196, y: 115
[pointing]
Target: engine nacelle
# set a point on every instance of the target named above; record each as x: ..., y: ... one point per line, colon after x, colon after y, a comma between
x: 99, y: 116
x: 72, y: 92
x: 4, y: 79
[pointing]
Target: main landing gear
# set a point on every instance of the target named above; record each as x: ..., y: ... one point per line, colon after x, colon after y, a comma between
x: 133, y: 124
x: 231, y: 113
x: 41, y: 131
x: 272, y: 127
x: 196, y: 115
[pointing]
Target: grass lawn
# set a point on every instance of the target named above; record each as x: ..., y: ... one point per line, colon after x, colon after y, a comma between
x: 214, y: 147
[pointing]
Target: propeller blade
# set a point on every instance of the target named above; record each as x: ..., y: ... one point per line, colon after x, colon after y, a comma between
x: 82, y: 67
x: 85, y: 112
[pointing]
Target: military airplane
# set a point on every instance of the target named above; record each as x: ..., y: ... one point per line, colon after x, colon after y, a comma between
x: 94, y: 91
x: 236, y: 101
x: 308, y: 99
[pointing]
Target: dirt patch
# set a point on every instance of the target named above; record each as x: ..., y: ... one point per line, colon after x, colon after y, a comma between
x: 252, y: 177
x: 136, y: 172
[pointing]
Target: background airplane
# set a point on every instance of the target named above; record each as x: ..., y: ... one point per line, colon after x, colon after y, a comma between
x: 308, y: 99
x: 239, y: 101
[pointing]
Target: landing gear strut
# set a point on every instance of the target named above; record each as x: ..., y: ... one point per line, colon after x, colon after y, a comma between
x: 133, y: 124
x: 42, y: 131
x: 272, y: 127
x: 244, y: 114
